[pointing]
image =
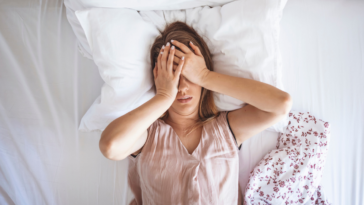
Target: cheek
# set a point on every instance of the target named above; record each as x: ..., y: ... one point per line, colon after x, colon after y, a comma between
x: 197, y: 92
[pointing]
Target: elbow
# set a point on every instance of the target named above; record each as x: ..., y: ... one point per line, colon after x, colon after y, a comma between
x: 109, y: 151
x: 286, y: 104
x: 105, y: 148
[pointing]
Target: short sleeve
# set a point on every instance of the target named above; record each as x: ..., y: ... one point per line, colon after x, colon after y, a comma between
x: 224, y: 117
x: 150, y: 130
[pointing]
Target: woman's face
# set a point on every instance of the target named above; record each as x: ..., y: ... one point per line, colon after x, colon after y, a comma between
x: 186, y: 88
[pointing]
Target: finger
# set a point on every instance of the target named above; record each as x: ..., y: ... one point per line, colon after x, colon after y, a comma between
x: 159, y: 64
x: 196, y: 49
x: 176, y: 59
x: 170, y: 60
x: 179, y: 53
x: 182, y: 46
x: 155, y: 70
x: 165, y: 55
x: 179, y: 68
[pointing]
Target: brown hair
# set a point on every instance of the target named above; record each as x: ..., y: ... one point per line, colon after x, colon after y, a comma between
x: 183, y: 33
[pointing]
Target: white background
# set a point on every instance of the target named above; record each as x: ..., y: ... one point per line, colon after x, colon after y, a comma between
x: 46, y: 86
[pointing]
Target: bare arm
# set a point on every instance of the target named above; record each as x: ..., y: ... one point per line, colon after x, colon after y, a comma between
x: 120, y: 135
x: 267, y: 104
x: 261, y: 95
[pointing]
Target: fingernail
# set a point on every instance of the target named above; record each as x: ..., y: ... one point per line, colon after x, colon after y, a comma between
x: 161, y: 52
x: 183, y: 58
x: 191, y: 42
x: 172, y: 47
x: 163, y: 47
x: 172, y: 41
x: 168, y: 44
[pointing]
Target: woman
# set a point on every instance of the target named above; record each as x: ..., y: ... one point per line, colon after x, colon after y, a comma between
x: 184, y: 151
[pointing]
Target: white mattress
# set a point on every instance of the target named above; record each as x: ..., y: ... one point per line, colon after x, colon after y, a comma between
x: 46, y: 86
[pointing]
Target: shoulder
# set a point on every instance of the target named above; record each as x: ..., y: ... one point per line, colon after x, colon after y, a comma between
x: 156, y: 128
x: 152, y: 132
x: 221, y: 118
x: 222, y: 121
x: 157, y: 123
x: 219, y: 122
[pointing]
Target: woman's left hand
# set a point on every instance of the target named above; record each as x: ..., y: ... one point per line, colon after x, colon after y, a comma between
x: 194, y: 67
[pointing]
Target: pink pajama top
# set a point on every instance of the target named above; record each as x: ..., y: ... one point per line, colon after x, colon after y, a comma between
x: 165, y: 173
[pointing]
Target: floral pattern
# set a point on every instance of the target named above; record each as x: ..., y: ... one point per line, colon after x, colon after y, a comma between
x: 292, y: 173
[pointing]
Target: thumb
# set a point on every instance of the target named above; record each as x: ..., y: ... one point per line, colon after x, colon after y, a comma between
x: 155, y: 70
x: 196, y: 49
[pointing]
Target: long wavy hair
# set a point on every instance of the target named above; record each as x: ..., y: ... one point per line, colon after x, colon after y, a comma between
x: 183, y: 33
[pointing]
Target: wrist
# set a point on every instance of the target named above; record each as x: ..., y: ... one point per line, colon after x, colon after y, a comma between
x: 164, y: 99
x: 204, y: 77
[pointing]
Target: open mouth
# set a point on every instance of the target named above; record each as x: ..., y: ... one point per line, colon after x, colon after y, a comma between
x: 185, y: 100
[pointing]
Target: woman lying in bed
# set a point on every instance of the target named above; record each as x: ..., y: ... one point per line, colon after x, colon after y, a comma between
x: 182, y: 150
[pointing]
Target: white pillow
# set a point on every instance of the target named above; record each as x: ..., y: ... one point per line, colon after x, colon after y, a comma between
x: 120, y: 41
x: 242, y: 37
x: 74, y: 5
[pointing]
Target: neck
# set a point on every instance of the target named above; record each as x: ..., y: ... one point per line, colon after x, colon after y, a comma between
x: 181, y: 121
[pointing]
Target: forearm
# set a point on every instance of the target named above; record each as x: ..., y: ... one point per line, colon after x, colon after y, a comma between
x: 125, y: 130
x: 261, y: 95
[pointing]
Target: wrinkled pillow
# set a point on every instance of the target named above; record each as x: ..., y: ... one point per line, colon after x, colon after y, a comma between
x: 74, y: 5
x: 242, y: 37
x: 292, y: 173
x: 120, y: 41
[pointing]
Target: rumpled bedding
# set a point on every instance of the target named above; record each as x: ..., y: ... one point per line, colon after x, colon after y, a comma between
x: 46, y: 86
x: 291, y: 174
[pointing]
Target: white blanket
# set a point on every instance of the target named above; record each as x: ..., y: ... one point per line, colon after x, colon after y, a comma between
x: 46, y: 86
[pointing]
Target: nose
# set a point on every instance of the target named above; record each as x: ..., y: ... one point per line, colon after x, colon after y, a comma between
x: 183, y: 85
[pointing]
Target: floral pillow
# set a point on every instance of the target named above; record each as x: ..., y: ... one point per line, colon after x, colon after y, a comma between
x: 292, y: 173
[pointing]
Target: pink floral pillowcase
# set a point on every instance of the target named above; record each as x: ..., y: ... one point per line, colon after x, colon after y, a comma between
x: 291, y: 174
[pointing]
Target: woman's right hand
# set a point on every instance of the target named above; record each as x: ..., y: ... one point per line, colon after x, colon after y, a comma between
x: 165, y: 78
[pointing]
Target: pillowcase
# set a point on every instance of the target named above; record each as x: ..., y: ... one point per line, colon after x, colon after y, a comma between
x: 293, y: 171
x: 74, y: 5
x: 120, y: 41
x: 242, y: 37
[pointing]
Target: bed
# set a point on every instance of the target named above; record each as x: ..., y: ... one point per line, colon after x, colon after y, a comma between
x: 46, y: 86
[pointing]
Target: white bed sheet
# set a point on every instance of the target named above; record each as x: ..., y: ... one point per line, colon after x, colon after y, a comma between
x: 46, y: 86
